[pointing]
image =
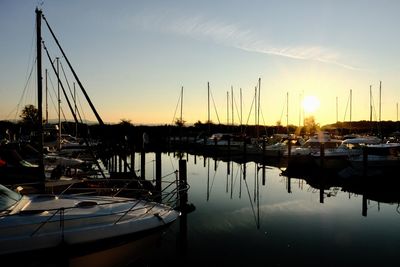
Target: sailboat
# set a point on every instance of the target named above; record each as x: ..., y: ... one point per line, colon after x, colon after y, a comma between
x: 36, y: 222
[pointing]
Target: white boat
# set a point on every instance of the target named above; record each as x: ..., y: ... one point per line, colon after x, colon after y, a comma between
x: 37, y: 222
x: 281, y: 147
x: 313, y: 145
x: 337, y: 158
x: 377, y: 159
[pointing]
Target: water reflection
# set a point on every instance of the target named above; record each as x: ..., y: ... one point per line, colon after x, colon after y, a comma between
x: 118, y: 253
x: 249, y: 213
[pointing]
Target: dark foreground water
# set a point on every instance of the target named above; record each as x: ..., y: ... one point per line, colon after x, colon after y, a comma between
x: 243, y: 218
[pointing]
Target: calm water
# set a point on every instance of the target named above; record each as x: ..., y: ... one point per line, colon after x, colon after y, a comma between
x: 244, y: 219
x: 239, y: 220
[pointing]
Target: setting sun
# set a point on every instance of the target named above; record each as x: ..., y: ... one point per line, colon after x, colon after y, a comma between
x: 310, y: 103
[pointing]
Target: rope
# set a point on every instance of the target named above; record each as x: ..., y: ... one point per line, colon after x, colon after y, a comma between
x: 215, y: 108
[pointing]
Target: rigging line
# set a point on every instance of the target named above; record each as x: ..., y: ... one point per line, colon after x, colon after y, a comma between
x: 24, y: 90
x: 172, y: 163
x: 251, y: 202
x: 215, y: 174
x: 75, y: 118
x: 52, y: 100
x: 83, y: 111
x: 176, y: 108
x: 251, y: 109
x: 283, y: 109
x: 70, y: 91
x: 73, y: 72
x: 237, y: 173
x: 215, y: 108
x: 27, y: 76
x: 265, y: 125
x: 347, y: 105
x: 237, y: 110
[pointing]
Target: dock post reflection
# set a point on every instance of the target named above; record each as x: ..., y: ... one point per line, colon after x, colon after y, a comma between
x: 158, y: 176
x: 364, y: 206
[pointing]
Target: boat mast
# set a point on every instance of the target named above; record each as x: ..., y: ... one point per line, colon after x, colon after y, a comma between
x: 39, y: 85
x: 258, y: 107
x: 208, y: 106
x: 287, y: 112
x: 233, y: 117
x: 380, y: 100
x: 241, y: 112
x: 255, y: 110
x: 227, y: 108
x: 47, y: 106
x: 370, y: 103
x: 76, y: 110
x: 59, y: 104
x: 351, y: 100
x: 181, y: 105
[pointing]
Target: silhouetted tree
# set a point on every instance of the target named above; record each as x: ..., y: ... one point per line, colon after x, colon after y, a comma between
x: 310, y: 125
x: 180, y: 122
x: 29, y: 114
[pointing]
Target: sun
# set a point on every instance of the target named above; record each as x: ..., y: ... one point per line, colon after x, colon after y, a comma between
x: 310, y: 103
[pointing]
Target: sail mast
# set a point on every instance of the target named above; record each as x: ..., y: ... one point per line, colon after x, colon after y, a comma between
x: 47, y: 106
x: 370, y: 103
x: 39, y: 88
x: 380, y: 100
x: 181, y: 104
x: 59, y: 104
x: 287, y: 112
x: 233, y: 120
x: 208, y: 106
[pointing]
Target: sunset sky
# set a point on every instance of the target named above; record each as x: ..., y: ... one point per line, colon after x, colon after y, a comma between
x: 133, y: 57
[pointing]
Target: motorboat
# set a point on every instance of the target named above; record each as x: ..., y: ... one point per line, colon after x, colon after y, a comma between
x: 41, y: 221
x: 281, y: 147
x: 338, y: 158
x: 376, y: 160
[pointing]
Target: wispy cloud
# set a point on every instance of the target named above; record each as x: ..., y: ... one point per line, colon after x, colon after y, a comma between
x: 230, y: 34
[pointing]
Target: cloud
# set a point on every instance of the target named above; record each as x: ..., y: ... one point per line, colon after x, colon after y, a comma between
x: 230, y: 34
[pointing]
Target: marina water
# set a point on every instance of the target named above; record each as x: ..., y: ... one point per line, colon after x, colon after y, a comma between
x: 245, y: 214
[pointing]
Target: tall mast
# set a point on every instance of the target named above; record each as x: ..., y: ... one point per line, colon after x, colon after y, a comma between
x: 181, y: 104
x: 380, y: 100
x: 227, y: 108
x: 370, y: 103
x: 233, y: 117
x: 39, y: 88
x: 59, y: 104
x: 287, y: 112
x: 258, y: 106
x: 76, y: 123
x: 208, y: 106
x: 47, y: 106
x: 255, y: 110
x: 241, y: 111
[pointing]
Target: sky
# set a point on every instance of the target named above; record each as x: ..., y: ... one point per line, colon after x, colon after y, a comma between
x: 134, y: 57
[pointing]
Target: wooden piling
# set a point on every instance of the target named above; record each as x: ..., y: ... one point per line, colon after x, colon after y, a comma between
x: 365, y: 161
x: 158, y: 176
x: 364, y: 206
x: 182, y: 183
x: 322, y: 155
x: 119, y: 162
x: 143, y: 165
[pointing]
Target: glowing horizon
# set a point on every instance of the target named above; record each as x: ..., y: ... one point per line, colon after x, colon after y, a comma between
x: 135, y: 59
